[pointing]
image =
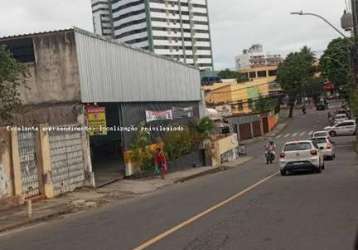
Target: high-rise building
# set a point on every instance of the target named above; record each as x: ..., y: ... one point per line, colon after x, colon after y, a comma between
x: 178, y: 29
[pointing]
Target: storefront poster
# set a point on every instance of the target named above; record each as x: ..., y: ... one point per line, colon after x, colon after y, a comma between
x: 96, y: 117
x: 158, y: 115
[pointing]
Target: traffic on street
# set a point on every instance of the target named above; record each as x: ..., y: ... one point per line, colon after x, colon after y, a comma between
x: 249, y: 207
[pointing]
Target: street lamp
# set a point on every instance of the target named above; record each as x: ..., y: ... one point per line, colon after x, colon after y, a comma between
x: 354, y: 49
x: 301, y: 13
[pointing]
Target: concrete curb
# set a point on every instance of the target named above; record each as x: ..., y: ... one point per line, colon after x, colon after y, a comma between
x: 207, y: 172
x: 36, y: 220
x: 223, y: 167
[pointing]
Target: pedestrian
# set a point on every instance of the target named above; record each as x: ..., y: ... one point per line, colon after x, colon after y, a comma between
x: 161, y: 162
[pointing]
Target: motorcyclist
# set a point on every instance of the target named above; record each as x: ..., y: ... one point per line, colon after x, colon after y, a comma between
x: 304, y: 109
x: 270, y: 151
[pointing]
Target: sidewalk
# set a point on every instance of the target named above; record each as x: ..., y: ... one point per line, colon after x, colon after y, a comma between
x: 84, y: 199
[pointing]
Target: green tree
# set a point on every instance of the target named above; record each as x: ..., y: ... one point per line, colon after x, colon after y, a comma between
x: 264, y: 104
x: 335, y: 64
x: 228, y: 74
x: 140, y: 151
x: 10, y: 75
x: 295, y: 74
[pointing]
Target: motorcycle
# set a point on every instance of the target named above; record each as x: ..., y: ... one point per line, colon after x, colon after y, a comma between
x: 270, y: 157
x: 304, y: 110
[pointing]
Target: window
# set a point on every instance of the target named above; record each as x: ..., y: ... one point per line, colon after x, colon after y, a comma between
x: 252, y: 74
x: 240, y: 106
x: 298, y: 146
x: 261, y: 74
x: 250, y: 103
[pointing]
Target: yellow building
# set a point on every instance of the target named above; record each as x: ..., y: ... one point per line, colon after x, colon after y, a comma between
x: 259, y: 72
x: 237, y: 98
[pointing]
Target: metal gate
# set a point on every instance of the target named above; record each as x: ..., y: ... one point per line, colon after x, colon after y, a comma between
x: 67, y: 161
x: 28, y: 163
x: 265, y: 124
x: 245, y: 131
x: 257, y: 128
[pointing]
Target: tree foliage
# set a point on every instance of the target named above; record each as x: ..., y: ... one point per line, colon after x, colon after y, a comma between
x: 335, y: 64
x: 295, y: 74
x: 10, y: 73
x: 229, y: 74
x: 265, y: 104
x: 140, y: 151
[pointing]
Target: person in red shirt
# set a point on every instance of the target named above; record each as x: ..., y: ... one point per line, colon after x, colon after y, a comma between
x: 161, y: 162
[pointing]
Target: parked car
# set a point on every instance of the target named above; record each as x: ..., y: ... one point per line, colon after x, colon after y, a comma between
x: 348, y: 127
x: 326, y: 146
x: 319, y: 134
x: 299, y: 156
x: 344, y: 112
x: 340, y: 118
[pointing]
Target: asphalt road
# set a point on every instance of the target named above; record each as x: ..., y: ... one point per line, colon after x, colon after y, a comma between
x: 306, y: 211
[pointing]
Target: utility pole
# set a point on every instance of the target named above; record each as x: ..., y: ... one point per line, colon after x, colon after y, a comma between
x: 355, y: 43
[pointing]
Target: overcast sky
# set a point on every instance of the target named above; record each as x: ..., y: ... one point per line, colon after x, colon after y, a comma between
x: 235, y: 24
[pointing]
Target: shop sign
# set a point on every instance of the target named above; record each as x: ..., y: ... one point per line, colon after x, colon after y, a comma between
x: 224, y: 110
x: 96, y: 117
x: 180, y: 113
x: 159, y: 115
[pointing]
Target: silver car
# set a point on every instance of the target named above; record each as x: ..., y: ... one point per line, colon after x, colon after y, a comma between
x: 326, y: 146
x: 300, y: 156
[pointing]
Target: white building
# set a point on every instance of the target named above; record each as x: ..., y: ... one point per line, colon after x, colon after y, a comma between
x: 256, y: 57
x: 178, y: 29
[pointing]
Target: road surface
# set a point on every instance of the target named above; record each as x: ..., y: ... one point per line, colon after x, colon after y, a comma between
x: 250, y: 207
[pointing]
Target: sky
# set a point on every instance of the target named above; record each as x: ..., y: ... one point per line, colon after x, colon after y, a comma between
x: 235, y: 24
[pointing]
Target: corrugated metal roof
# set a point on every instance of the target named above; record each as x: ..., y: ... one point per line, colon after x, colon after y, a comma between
x: 113, y: 72
x: 87, y: 33
x: 26, y: 35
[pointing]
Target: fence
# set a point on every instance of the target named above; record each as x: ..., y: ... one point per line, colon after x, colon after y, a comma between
x: 43, y: 163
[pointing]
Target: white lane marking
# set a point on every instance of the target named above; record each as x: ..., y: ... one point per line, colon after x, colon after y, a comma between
x: 295, y: 134
x: 279, y: 136
x: 287, y: 135
x: 310, y: 133
x: 303, y: 133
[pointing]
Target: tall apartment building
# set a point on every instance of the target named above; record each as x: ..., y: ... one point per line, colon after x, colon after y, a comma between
x: 178, y: 29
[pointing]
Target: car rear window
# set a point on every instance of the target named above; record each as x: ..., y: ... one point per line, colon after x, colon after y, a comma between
x: 321, y: 134
x: 319, y: 140
x: 298, y: 146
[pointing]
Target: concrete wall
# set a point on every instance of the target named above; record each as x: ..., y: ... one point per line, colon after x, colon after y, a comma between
x: 223, y: 146
x: 54, y: 76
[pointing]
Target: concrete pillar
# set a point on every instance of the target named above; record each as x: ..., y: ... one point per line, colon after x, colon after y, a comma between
x: 16, y: 166
x: 90, y: 178
x: 44, y: 162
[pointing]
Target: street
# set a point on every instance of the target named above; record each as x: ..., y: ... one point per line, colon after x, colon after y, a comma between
x: 301, y: 211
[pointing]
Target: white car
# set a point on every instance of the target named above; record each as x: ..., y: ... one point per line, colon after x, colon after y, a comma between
x: 340, y: 118
x: 348, y: 127
x: 300, y: 156
x: 326, y: 146
x: 319, y: 134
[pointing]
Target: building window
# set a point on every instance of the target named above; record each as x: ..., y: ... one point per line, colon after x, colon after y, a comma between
x: 252, y: 74
x: 273, y: 73
x: 250, y: 103
x: 240, y: 106
x: 262, y: 74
